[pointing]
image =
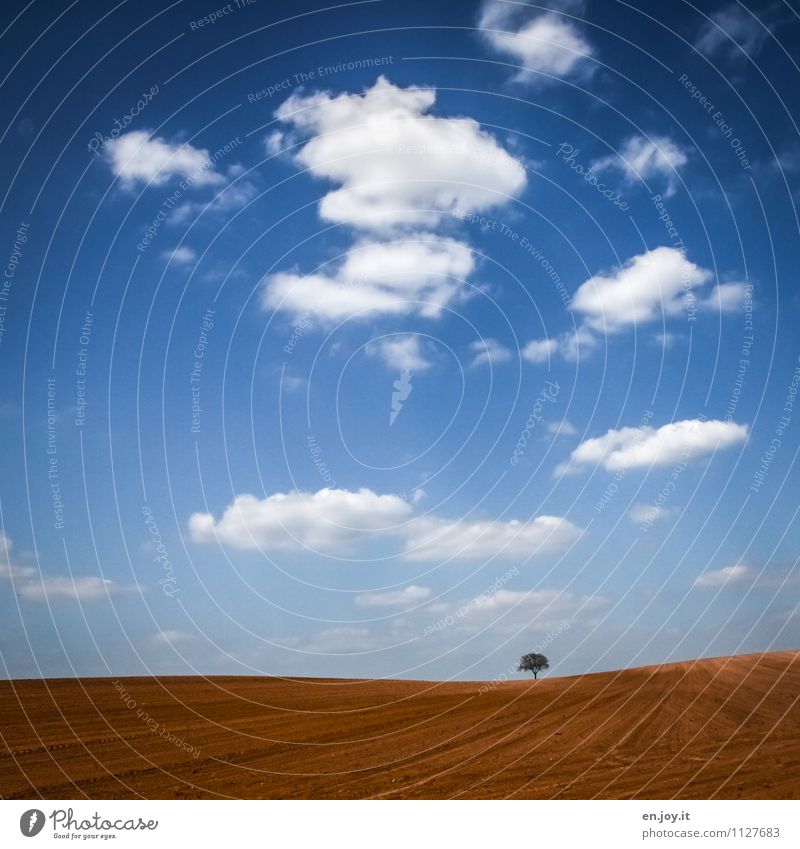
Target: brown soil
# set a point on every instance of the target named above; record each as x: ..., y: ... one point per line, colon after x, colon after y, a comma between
x: 720, y: 728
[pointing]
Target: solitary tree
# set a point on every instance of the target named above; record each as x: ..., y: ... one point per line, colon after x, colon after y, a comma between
x: 533, y: 662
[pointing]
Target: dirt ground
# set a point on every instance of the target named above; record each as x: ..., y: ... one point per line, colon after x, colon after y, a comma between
x: 720, y: 728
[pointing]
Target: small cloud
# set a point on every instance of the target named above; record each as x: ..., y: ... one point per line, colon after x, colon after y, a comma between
x: 548, y: 44
x: 725, y: 297
x: 642, y: 447
x: 293, y: 383
x: 733, y: 31
x: 275, y: 142
x: 540, y: 350
x: 400, y: 352
x: 79, y: 588
x: 9, y: 568
x: 418, y: 274
x: 139, y: 157
x: 182, y: 255
x: 660, y: 282
x: 647, y: 513
x: 430, y: 538
x: 29, y: 584
x: 329, y: 520
x: 570, y: 346
x: 643, y: 158
x: 171, y: 636
x: 787, y: 160
x: 737, y: 574
x: 488, y: 352
x: 512, y: 610
x: 562, y: 428
x: 234, y: 196
x: 410, y: 595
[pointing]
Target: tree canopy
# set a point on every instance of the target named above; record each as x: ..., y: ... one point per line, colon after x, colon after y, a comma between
x: 533, y: 662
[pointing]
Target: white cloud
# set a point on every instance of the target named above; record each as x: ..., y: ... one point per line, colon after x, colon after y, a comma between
x: 394, y: 163
x: 139, y: 157
x: 647, y: 513
x: 732, y: 22
x: 400, y: 352
x: 441, y: 539
x: 787, y: 160
x: 170, y: 636
x: 660, y: 281
x: 10, y: 570
x: 334, y: 521
x: 409, y: 595
x: 548, y: 43
x: 540, y: 350
x: 419, y: 274
x: 275, y: 142
x: 725, y: 297
x: 329, y: 521
x: 489, y: 351
x: 647, y: 158
x: 534, y: 603
x: 30, y: 585
x: 503, y: 611
x: 400, y: 263
x: 562, y: 428
x: 727, y: 575
x: 293, y: 382
x: 233, y: 196
x: 641, y: 447
x: 182, y: 255
x: 79, y: 588
x: 569, y: 345
x: 510, y: 610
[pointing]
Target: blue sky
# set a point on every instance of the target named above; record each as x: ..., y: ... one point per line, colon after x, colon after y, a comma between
x: 398, y: 339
